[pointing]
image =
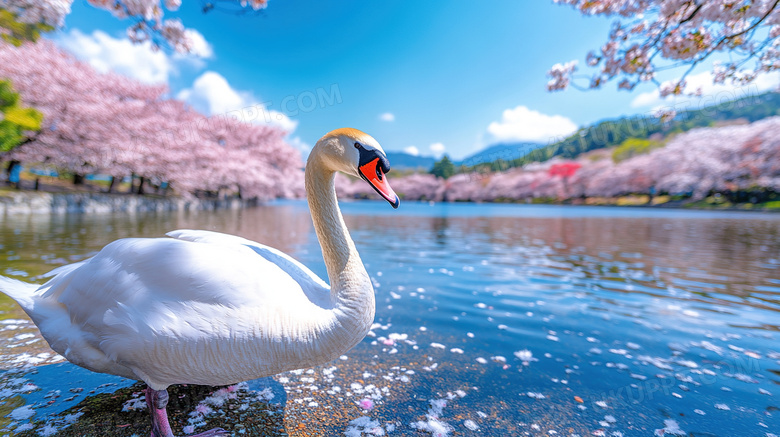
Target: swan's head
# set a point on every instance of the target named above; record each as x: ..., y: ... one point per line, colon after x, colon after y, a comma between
x: 358, y: 154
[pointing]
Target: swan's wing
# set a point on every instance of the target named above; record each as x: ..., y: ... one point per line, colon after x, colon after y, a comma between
x: 309, y: 281
x: 63, y: 269
x: 162, y: 270
x: 125, y: 303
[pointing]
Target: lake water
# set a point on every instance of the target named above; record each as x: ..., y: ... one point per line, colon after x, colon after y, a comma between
x: 492, y: 320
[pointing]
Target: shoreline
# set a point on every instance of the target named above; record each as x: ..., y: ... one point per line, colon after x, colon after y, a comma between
x: 692, y: 206
x: 675, y: 206
x: 36, y: 202
x: 21, y: 202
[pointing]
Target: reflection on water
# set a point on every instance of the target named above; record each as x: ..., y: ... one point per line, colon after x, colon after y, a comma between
x: 504, y: 320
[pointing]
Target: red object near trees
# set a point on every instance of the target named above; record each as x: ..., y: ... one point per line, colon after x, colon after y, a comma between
x: 564, y: 169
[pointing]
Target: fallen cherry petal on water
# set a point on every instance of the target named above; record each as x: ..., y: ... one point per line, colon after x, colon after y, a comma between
x: 367, y: 404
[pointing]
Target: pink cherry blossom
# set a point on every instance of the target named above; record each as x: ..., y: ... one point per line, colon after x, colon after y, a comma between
x: 696, y: 163
x: 367, y: 404
x: 147, y: 16
x: 653, y: 34
x: 51, y: 12
x: 110, y: 124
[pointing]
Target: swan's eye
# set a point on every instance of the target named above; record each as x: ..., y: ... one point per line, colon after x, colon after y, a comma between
x: 357, y: 145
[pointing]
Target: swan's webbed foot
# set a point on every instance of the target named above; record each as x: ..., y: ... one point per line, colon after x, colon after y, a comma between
x: 156, y: 401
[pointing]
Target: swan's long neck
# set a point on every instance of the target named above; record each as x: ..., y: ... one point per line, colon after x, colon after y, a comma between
x: 352, y: 294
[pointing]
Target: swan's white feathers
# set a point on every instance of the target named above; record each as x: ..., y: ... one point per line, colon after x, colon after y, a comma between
x: 21, y: 292
x: 160, y: 309
x: 315, y: 288
x: 62, y: 269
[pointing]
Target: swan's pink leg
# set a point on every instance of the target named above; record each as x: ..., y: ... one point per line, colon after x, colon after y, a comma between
x: 156, y: 401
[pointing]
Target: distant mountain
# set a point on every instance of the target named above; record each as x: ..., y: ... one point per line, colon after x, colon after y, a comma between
x: 501, y: 151
x: 402, y: 161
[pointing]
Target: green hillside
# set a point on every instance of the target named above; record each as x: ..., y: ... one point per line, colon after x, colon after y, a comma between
x: 614, y: 132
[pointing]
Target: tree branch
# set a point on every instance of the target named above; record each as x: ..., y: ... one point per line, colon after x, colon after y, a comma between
x: 690, y: 17
x: 754, y: 25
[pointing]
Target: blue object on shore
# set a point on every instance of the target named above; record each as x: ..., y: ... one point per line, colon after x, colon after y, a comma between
x: 43, y: 172
x: 14, y: 177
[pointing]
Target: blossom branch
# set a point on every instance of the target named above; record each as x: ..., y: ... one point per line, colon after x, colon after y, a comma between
x: 684, y: 32
x: 147, y: 16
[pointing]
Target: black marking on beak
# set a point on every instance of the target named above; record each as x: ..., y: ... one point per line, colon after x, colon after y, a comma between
x: 367, y: 156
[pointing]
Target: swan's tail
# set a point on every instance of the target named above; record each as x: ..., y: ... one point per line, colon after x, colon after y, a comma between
x: 19, y: 291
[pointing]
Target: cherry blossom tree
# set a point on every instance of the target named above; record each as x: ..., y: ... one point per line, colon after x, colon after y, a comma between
x: 88, y: 117
x: 459, y: 187
x: 147, y: 17
x: 606, y: 179
x: 216, y: 154
x: 581, y: 184
x: 111, y: 124
x: 722, y: 159
x: 351, y: 188
x: 261, y: 166
x: 16, y: 32
x: 650, y: 36
x: 726, y: 160
x: 697, y: 163
x: 419, y: 186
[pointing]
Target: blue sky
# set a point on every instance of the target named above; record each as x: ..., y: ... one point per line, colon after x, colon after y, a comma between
x: 429, y: 76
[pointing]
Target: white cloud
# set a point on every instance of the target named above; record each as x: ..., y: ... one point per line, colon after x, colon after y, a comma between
x: 728, y: 91
x: 412, y: 150
x: 106, y: 53
x: 387, y: 116
x: 139, y: 61
x: 437, y: 149
x: 523, y: 124
x: 212, y: 94
x: 200, y: 47
x: 199, y: 52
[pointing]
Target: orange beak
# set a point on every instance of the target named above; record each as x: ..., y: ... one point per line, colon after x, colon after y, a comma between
x: 374, y: 175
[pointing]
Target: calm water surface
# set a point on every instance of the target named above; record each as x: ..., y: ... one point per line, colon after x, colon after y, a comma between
x: 491, y: 320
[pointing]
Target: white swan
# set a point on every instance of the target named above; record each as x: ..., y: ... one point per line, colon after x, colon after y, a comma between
x: 215, y: 309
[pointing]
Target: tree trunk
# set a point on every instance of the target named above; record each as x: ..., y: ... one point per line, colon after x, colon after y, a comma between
x: 37, y: 183
x: 111, y: 185
x: 141, y: 186
x: 78, y: 179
